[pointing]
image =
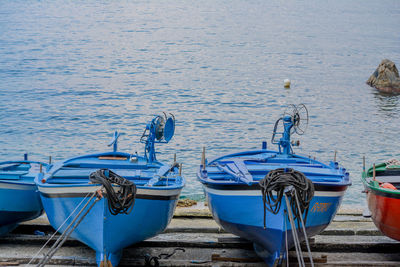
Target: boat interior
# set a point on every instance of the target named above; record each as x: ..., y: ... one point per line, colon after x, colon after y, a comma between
x: 250, y: 169
x: 143, y: 176
x: 391, y: 176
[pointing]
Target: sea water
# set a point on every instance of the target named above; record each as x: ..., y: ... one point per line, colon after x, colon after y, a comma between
x: 72, y: 72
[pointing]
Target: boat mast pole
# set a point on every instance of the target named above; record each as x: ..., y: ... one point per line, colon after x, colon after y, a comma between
x: 114, y: 142
x: 149, y: 148
x: 373, y: 173
x: 284, y: 142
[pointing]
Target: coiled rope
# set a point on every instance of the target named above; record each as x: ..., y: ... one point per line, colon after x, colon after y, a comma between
x: 392, y: 163
x: 119, y: 201
x: 278, y: 181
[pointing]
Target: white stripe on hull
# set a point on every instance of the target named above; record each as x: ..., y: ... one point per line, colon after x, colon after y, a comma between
x: 258, y: 192
x: 91, y: 189
x: 17, y: 186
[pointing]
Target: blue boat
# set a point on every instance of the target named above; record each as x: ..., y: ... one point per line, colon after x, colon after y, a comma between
x: 19, y: 197
x: 74, y: 196
x: 262, y: 195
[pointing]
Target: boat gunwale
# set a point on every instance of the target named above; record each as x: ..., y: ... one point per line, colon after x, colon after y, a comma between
x: 26, y: 179
x: 260, y: 151
x: 386, y: 192
x: 179, y: 182
x: 179, y: 185
x: 141, y: 194
x: 23, y: 162
x: 255, y: 185
x: 340, y: 176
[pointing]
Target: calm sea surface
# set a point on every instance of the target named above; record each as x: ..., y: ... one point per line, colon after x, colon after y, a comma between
x: 72, y: 72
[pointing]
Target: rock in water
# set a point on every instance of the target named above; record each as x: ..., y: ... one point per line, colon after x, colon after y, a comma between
x: 386, y: 77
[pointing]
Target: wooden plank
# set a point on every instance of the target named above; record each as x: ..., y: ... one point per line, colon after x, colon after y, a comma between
x: 217, y: 257
x: 112, y: 158
x: 81, y: 255
x: 9, y: 263
x: 350, y: 240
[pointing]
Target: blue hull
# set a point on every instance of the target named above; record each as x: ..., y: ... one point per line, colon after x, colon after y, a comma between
x: 19, y: 201
x: 243, y: 215
x: 108, y: 234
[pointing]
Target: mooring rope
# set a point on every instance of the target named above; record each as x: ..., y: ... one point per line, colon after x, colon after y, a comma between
x: 58, y: 229
x: 61, y: 240
x: 278, y: 181
x: 68, y: 231
x: 286, y: 241
x: 304, y: 232
x: 289, y: 183
x: 121, y: 201
x: 296, y: 239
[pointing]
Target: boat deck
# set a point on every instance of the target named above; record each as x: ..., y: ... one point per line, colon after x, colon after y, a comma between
x: 393, y: 179
x: 194, y: 239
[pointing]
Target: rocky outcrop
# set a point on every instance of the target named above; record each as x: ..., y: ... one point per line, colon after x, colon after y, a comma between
x: 386, y: 77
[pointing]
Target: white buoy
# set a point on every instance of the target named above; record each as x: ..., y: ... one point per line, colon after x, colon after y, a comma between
x: 286, y: 83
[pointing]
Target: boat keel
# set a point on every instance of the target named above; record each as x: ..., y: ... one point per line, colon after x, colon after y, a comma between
x: 271, y: 259
x: 108, y: 259
x: 4, y: 229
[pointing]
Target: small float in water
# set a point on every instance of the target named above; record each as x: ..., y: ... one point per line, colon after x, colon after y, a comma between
x: 270, y: 197
x: 19, y: 198
x: 114, y: 199
x: 382, y: 184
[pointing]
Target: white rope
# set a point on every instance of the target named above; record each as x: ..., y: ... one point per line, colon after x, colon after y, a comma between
x: 64, y: 236
x: 286, y: 240
x: 40, y: 250
x: 296, y: 240
x: 392, y: 162
x: 304, y: 231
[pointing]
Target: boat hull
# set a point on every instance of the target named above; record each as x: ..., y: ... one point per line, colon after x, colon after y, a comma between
x: 241, y: 213
x: 108, y: 234
x: 385, y: 212
x: 19, y: 201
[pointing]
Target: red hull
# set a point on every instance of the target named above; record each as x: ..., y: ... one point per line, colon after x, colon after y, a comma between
x: 385, y: 212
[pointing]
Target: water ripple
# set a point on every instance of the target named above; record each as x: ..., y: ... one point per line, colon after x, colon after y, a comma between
x: 73, y: 72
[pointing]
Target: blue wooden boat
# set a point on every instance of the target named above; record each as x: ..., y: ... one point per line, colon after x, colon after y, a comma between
x: 19, y: 197
x: 250, y: 196
x: 68, y: 189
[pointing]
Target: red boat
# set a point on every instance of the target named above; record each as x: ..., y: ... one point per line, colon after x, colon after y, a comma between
x: 382, y: 184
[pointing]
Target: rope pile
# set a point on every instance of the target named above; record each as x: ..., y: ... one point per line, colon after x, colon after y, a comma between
x: 121, y: 201
x: 280, y: 179
x: 392, y: 162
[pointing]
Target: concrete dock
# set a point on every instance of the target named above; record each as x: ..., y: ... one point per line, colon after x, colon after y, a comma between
x: 194, y: 239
